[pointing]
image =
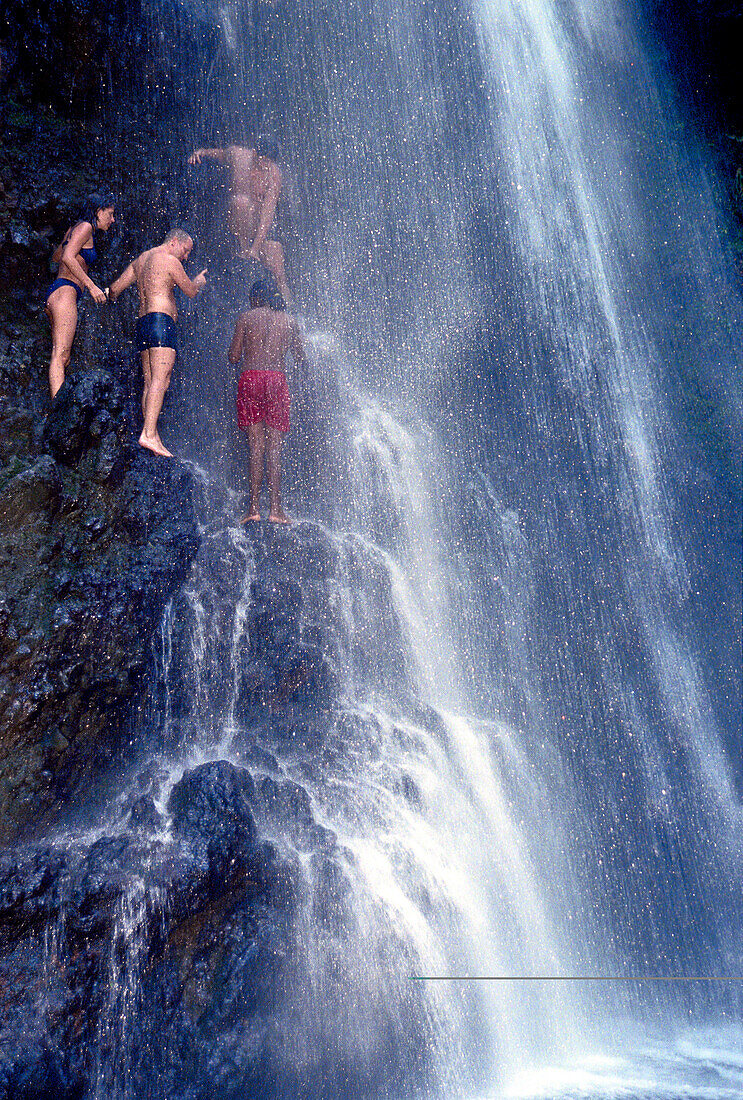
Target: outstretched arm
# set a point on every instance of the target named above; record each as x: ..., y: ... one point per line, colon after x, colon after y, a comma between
x: 211, y: 154
x: 236, y: 347
x: 190, y: 287
x: 127, y: 277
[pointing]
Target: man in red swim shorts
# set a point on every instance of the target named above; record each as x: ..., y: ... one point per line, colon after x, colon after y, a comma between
x: 263, y: 337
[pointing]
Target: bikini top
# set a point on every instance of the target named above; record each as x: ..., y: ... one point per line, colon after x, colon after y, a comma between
x: 88, y: 254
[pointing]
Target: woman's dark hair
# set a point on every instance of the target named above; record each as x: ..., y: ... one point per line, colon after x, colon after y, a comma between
x: 99, y: 200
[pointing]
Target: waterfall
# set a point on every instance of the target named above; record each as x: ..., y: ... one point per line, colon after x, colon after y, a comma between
x: 515, y: 470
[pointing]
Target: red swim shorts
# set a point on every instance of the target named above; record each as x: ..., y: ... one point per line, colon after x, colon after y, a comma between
x: 263, y: 395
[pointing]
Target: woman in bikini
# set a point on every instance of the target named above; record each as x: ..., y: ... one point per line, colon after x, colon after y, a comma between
x: 75, y: 256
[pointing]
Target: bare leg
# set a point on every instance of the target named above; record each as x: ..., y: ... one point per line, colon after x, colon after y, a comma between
x: 61, y: 309
x: 272, y: 255
x: 147, y: 375
x: 161, y: 367
x: 273, y: 463
x: 257, y: 442
x: 241, y: 221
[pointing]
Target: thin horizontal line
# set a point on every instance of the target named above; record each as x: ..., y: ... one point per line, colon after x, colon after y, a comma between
x: 566, y: 978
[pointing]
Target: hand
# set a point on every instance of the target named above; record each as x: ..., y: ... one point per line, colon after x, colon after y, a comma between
x: 201, y: 278
x: 98, y: 296
x: 255, y: 253
x: 195, y: 157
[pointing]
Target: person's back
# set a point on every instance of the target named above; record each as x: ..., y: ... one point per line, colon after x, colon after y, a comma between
x: 156, y: 278
x: 267, y: 338
x: 263, y: 336
x: 241, y: 161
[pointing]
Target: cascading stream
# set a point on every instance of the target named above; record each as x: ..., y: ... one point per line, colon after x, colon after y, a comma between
x: 602, y: 222
x: 505, y: 565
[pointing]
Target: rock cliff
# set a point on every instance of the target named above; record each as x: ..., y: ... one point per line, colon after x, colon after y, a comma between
x: 95, y: 536
x: 168, y: 948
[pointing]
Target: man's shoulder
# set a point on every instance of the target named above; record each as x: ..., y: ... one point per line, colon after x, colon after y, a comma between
x: 165, y: 260
x: 143, y: 257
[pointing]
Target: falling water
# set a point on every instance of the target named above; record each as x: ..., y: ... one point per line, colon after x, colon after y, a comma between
x: 120, y: 1040
x: 520, y: 440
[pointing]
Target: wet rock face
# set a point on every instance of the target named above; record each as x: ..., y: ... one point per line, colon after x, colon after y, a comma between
x: 183, y: 952
x: 288, y: 663
x: 291, y: 615
x: 194, y: 937
x: 211, y: 808
x: 70, y: 38
x: 95, y: 536
x: 206, y: 946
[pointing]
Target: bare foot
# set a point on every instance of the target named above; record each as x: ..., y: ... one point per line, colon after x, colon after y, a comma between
x: 278, y: 516
x: 252, y: 517
x: 155, y: 445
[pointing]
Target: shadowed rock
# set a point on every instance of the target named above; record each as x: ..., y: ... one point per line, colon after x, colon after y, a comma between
x: 195, y: 936
x: 95, y: 536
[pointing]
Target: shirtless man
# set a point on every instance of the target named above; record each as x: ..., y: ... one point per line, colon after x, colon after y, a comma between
x: 263, y: 337
x: 157, y: 272
x: 255, y: 183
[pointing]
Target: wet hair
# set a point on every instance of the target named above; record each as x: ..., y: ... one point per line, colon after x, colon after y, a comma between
x: 265, y: 292
x: 178, y: 234
x: 261, y: 294
x: 266, y: 147
x: 99, y: 200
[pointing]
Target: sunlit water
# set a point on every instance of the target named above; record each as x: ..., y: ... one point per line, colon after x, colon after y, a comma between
x: 520, y: 436
x: 700, y: 1065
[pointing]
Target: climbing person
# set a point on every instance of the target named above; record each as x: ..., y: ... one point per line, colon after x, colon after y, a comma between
x: 255, y: 185
x: 264, y: 335
x: 157, y: 272
x: 75, y: 256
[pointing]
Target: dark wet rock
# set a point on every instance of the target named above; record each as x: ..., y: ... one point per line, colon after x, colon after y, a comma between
x: 284, y: 806
x: 95, y: 536
x: 297, y: 680
x: 210, y: 808
x: 32, y: 490
x: 202, y: 929
x: 304, y: 627
x: 144, y: 816
x: 299, y: 645
x: 29, y: 891
x: 85, y: 412
x: 35, y: 1073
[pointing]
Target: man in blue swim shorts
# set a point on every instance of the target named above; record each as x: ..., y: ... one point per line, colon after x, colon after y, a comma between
x: 157, y: 272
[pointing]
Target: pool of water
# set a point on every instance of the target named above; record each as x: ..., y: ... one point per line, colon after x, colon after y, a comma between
x: 698, y: 1064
